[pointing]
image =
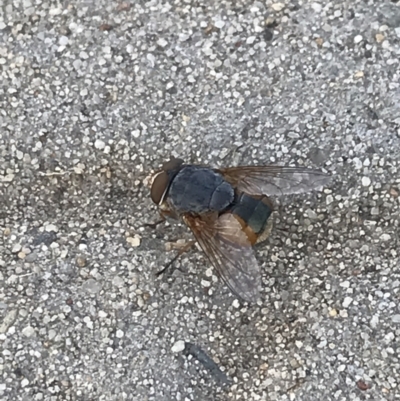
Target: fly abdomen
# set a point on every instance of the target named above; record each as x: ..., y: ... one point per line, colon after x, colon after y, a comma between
x: 253, y: 213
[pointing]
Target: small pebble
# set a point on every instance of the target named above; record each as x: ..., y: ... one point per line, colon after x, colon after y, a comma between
x: 236, y: 303
x: 51, y: 227
x: 133, y: 241
x: 346, y: 302
x: 118, y: 281
x: 32, y: 257
x: 316, y: 7
x: 16, y: 248
x: 63, y: 41
x: 385, y: 237
x: 374, y: 322
x: 92, y: 286
x: 21, y: 255
x: 375, y: 211
x: 81, y: 261
x: 205, y: 283
x: 99, y: 144
x: 179, y: 346
x: 311, y: 214
x: 366, y: 181
x: 24, y: 382
x: 278, y: 6
x: 28, y: 331
x: 162, y: 42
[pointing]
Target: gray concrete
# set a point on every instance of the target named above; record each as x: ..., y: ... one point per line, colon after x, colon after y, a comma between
x: 95, y: 96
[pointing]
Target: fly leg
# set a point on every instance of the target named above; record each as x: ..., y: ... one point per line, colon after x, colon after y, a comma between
x: 163, y: 218
x: 155, y: 224
x: 182, y: 249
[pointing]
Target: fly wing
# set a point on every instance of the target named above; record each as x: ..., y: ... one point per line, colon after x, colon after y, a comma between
x: 274, y: 180
x: 230, y: 252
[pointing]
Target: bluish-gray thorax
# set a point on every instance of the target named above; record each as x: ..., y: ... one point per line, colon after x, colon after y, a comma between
x: 199, y: 190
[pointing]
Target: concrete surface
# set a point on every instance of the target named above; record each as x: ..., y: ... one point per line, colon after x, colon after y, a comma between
x: 94, y: 96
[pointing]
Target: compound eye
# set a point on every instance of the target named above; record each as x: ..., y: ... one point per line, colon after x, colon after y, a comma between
x: 159, y: 187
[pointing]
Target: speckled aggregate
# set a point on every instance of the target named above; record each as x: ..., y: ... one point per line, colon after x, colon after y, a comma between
x: 96, y: 95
